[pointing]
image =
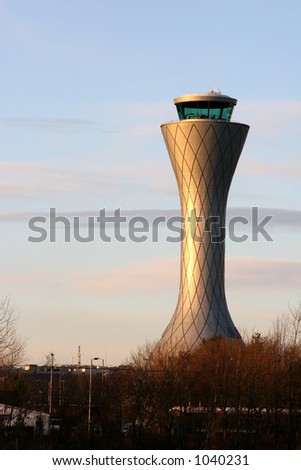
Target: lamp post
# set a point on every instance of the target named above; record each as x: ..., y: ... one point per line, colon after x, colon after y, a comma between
x: 50, y: 385
x: 102, y: 377
x: 90, y: 394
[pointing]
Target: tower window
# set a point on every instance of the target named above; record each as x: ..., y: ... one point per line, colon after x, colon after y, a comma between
x: 205, y: 110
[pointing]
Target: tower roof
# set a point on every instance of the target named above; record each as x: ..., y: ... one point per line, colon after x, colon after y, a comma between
x: 212, y: 96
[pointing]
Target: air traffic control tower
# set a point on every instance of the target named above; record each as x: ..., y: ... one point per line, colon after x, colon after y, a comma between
x: 204, y: 148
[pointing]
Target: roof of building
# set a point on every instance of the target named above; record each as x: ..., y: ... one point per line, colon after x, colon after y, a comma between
x: 211, y: 96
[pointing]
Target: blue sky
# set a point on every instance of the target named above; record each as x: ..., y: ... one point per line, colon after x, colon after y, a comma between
x: 84, y: 89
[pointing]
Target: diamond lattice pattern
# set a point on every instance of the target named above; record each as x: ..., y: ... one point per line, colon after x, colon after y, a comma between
x: 204, y: 155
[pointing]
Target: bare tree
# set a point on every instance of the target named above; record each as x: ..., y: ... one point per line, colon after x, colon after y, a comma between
x: 294, y: 323
x: 11, y: 344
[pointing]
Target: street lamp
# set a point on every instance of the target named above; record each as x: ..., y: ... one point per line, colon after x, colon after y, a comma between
x: 90, y: 395
x: 102, y: 377
x: 50, y: 390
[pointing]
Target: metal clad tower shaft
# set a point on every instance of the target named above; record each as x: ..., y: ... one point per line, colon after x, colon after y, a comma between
x: 204, y: 148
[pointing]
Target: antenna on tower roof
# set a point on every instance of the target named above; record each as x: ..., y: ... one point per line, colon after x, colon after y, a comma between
x: 212, y: 91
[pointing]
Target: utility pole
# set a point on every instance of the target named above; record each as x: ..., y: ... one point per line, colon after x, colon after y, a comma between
x: 90, y: 395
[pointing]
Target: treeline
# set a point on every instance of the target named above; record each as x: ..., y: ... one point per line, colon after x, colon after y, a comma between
x: 225, y: 395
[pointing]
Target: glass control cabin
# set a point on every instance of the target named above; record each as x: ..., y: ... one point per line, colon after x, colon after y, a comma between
x: 210, y: 106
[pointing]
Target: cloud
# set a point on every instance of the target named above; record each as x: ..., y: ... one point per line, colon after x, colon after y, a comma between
x: 259, y: 167
x: 31, y: 180
x: 39, y: 181
x: 243, y: 273
x: 49, y: 124
x: 257, y: 274
x: 269, y: 117
x: 142, y: 119
x: 59, y: 124
x: 282, y: 218
x: 145, y: 276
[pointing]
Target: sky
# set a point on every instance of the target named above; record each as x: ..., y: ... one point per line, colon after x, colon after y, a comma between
x: 85, y: 86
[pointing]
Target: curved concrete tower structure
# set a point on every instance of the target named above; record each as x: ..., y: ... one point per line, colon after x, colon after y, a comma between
x: 204, y: 148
